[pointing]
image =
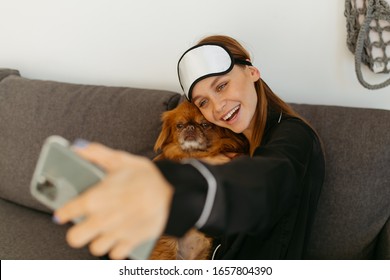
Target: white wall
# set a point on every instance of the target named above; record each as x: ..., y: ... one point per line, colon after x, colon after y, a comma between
x: 298, y: 45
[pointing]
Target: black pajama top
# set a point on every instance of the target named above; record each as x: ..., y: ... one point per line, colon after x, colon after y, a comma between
x: 259, y: 207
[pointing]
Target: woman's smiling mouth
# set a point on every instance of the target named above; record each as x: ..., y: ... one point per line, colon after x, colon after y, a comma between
x: 231, y: 114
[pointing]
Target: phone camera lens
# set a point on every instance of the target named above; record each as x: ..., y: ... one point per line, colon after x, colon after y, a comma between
x: 46, y: 187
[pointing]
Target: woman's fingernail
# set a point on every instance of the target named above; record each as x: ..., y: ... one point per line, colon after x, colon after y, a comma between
x: 80, y: 143
x: 55, y: 220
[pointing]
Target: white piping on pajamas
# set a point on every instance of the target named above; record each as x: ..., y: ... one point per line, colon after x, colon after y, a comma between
x: 211, y: 192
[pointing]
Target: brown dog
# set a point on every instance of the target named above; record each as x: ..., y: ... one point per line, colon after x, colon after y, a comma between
x: 187, y: 134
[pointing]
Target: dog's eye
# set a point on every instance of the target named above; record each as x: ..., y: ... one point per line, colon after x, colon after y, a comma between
x: 179, y: 126
x: 205, y: 125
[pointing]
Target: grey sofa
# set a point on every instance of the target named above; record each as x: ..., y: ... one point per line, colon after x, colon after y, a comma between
x: 352, y: 221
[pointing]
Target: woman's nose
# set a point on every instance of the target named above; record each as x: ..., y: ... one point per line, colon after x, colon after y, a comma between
x: 220, y: 106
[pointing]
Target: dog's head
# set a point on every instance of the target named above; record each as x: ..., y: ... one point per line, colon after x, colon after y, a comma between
x: 185, y: 132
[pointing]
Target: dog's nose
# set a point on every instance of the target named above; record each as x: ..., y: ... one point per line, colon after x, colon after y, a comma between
x: 190, y: 127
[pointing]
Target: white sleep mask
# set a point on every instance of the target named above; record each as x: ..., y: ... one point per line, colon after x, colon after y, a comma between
x: 203, y: 61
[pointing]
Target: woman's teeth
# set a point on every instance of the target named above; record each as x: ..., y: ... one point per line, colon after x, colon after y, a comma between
x: 229, y: 115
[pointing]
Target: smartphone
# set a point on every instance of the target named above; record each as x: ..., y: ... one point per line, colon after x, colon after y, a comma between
x: 60, y: 175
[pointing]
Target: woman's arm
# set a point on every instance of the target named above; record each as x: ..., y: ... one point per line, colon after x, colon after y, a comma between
x: 251, y: 193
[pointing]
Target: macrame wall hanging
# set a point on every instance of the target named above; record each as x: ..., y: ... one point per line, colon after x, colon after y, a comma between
x: 368, y: 37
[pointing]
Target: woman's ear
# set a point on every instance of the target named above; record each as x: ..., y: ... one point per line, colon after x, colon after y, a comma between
x: 254, y: 72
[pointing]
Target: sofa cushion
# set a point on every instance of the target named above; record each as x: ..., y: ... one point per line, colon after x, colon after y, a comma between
x: 28, y: 234
x: 31, y: 110
x: 383, y: 245
x: 355, y: 200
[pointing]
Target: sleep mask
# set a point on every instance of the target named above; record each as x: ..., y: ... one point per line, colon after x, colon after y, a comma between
x: 203, y: 61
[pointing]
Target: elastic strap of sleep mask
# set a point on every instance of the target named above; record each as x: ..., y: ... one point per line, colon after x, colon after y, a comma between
x: 203, y: 61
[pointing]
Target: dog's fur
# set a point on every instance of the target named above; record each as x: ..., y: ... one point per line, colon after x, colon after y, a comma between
x: 187, y: 134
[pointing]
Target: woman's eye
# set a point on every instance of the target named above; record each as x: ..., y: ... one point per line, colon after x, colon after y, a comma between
x: 202, y: 103
x: 221, y: 86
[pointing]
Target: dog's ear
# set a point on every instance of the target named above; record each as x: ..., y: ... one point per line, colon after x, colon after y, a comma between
x: 165, y: 136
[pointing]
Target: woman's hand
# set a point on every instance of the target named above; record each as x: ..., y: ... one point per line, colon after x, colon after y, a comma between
x: 220, y: 158
x: 128, y: 207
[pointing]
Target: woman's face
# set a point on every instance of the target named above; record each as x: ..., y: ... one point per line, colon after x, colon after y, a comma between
x: 229, y: 100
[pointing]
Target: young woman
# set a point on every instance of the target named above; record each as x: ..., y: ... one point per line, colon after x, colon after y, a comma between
x: 259, y: 206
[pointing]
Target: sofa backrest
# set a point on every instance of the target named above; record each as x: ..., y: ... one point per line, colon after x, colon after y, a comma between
x: 31, y: 110
x: 353, y: 218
